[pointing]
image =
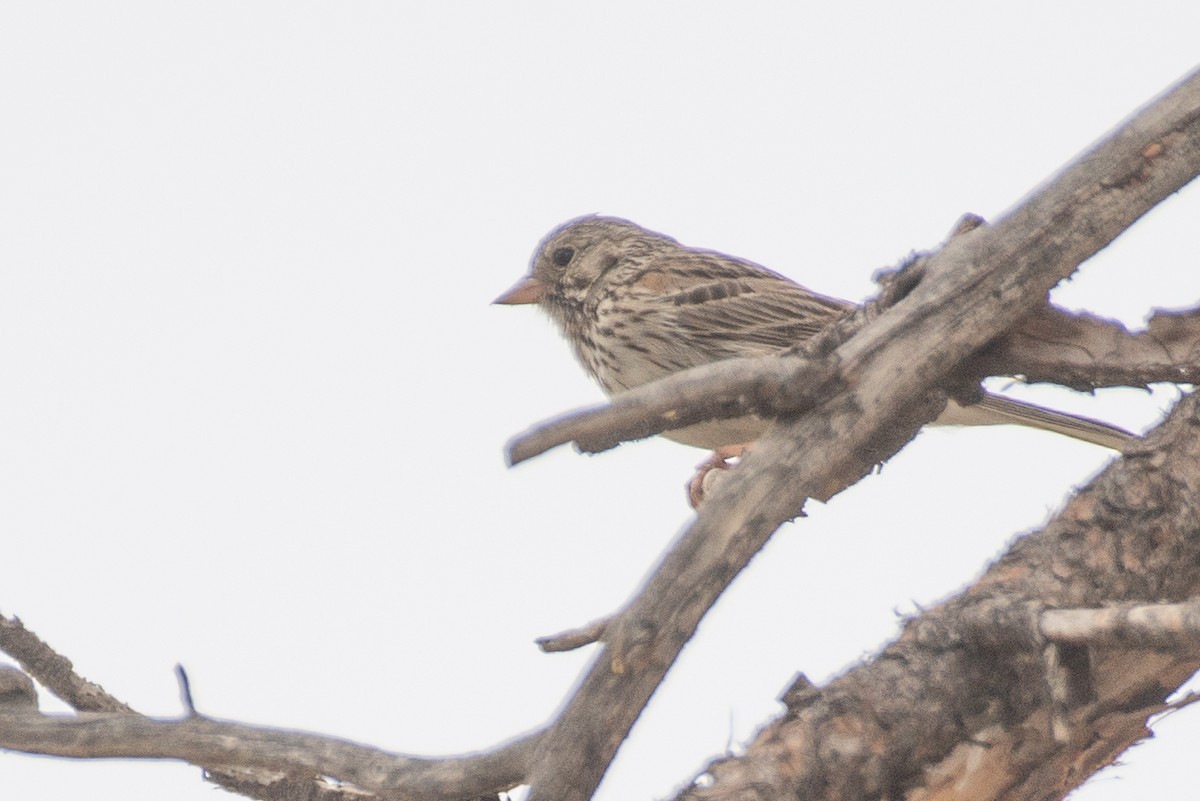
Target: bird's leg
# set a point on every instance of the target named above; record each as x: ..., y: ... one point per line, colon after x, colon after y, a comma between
x: 718, y: 460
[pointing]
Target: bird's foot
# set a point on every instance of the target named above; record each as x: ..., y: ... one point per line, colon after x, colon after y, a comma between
x: 702, y: 482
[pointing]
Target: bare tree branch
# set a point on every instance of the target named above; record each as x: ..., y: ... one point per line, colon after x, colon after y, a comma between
x: 54, y: 671
x: 1084, y: 352
x: 730, y: 388
x: 574, y: 638
x: 264, y: 763
x: 955, y: 709
x: 202, y: 741
x: 977, y: 286
x: 57, y: 674
x: 978, y: 698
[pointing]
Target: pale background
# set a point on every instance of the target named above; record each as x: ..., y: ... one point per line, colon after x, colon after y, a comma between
x: 254, y: 396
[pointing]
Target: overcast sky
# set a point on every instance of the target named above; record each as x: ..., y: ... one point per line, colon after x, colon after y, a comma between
x: 254, y: 396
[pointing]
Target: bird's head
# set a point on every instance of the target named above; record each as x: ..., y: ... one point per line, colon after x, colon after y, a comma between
x: 573, y: 263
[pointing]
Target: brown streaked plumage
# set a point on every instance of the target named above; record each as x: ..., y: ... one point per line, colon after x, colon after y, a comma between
x: 637, y: 306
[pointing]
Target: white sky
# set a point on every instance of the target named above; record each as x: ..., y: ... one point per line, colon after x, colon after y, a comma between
x: 255, y: 396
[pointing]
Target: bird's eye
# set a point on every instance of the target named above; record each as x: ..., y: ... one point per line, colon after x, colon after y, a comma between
x: 562, y: 256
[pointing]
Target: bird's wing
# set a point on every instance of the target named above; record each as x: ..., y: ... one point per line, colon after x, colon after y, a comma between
x: 734, y: 307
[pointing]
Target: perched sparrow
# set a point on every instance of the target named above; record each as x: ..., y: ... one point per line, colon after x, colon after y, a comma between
x: 637, y: 306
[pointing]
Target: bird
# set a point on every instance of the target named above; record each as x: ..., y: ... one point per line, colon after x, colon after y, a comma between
x: 636, y: 306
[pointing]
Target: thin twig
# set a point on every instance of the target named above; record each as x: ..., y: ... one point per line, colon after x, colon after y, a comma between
x: 574, y: 638
x: 1158, y: 626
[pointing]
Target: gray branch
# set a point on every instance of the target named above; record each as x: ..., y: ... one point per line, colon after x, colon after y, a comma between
x: 270, y: 764
x: 974, y: 289
x: 1009, y: 691
x: 846, y: 403
x: 204, y: 742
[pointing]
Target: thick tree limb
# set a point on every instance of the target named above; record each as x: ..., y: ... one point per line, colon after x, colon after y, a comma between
x: 946, y: 710
x: 958, y: 707
x: 976, y: 287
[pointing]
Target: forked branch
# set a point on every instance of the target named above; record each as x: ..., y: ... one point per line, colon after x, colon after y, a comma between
x: 972, y: 291
x: 934, y: 707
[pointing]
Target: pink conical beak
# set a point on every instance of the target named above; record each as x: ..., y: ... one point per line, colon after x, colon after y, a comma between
x: 528, y: 290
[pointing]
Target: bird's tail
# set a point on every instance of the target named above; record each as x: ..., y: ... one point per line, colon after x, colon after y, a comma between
x: 997, y: 410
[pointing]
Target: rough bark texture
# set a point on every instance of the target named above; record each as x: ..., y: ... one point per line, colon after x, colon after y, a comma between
x: 980, y: 285
x: 972, y: 702
x: 1084, y: 352
x: 958, y: 707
